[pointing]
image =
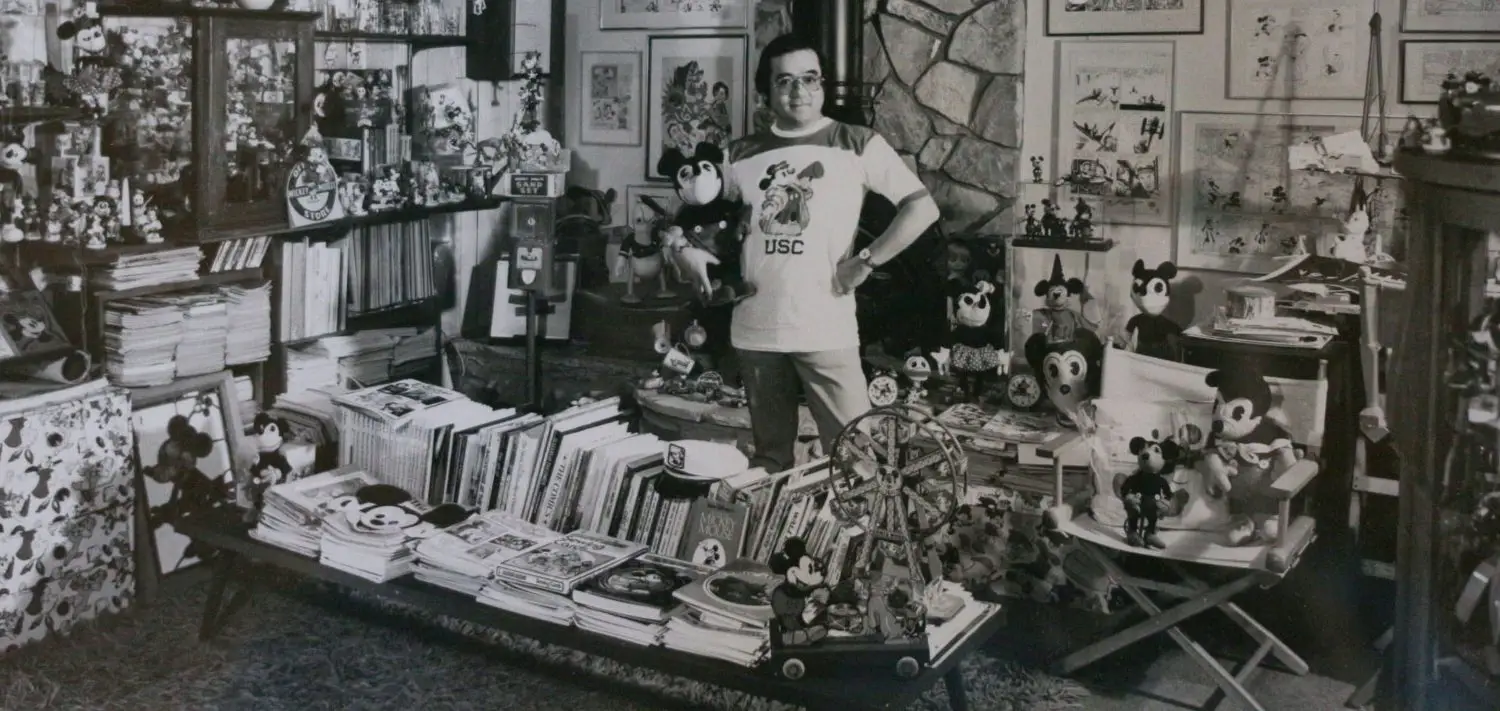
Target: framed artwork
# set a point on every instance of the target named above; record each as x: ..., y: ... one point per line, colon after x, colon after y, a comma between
x: 1124, y: 17
x: 697, y: 89
x: 1425, y: 63
x: 610, y: 104
x: 673, y: 14
x: 1468, y: 16
x: 1241, y: 207
x: 187, y: 435
x: 1115, y: 102
x: 1293, y: 49
x: 27, y: 327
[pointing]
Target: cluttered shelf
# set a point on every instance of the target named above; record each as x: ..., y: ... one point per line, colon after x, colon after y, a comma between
x: 419, y: 41
x: 384, y: 217
x: 27, y: 115
x: 213, y: 279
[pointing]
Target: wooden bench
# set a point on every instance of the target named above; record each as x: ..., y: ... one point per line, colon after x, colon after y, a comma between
x: 879, y: 690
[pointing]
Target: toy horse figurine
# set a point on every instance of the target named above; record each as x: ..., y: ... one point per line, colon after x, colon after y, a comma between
x: 641, y: 258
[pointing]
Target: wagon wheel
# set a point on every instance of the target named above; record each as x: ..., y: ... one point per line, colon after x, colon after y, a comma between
x: 899, y: 474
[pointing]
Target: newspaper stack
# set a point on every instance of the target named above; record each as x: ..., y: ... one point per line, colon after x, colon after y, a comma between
x: 307, y: 368
x: 462, y: 557
x: 140, y: 341
x: 292, y: 514
x: 376, y: 535
x: 537, y: 604
x: 634, y: 600
x: 205, y: 329
x: 690, y: 630
x: 249, y: 339
x: 133, y: 271
x: 364, y: 357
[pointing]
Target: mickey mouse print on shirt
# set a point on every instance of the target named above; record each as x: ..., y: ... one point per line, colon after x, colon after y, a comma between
x: 786, y: 208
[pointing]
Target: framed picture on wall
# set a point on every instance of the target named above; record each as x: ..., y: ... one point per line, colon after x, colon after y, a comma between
x: 610, y: 101
x: 673, y: 14
x: 1114, y: 17
x: 1114, y: 103
x: 1241, y: 207
x: 1468, y: 16
x: 697, y: 92
x: 1294, y: 49
x: 1425, y: 63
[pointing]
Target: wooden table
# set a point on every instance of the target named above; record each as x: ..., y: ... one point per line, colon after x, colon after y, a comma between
x: 844, y: 693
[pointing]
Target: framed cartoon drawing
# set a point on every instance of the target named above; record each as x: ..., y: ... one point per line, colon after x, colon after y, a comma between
x: 27, y: 327
x: 187, y: 435
x: 673, y: 14
x: 1426, y: 63
x: 1293, y: 49
x: 697, y: 91
x: 610, y: 105
x: 1133, y: 17
x: 1467, y: 16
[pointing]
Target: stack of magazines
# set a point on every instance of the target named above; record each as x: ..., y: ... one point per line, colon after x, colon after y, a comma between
x: 291, y: 516
x: 462, y: 557
x: 634, y: 600
x: 537, y: 583
x: 249, y: 339
x: 140, y: 341
x: 375, y: 535
x: 205, y: 330
x: 726, y: 615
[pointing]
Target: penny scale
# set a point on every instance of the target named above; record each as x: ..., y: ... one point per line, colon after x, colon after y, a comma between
x: 899, y: 475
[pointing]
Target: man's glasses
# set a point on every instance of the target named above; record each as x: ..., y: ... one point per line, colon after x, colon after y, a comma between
x: 807, y: 82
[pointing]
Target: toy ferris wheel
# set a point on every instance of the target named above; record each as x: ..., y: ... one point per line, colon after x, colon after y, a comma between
x: 900, y: 475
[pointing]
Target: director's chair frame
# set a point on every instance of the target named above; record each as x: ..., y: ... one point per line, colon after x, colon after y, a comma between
x: 1130, y: 376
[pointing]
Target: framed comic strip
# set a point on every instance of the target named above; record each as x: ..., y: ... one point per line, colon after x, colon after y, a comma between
x: 1467, y: 16
x: 187, y: 439
x: 610, y: 99
x: 673, y: 14
x: 1114, y: 103
x: 1294, y: 49
x: 1425, y: 63
x: 1241, y: 207
x: 696, y: 91
x: 1124, y: 17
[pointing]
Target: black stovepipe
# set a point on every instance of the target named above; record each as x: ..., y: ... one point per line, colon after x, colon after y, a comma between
x: 836, y: 27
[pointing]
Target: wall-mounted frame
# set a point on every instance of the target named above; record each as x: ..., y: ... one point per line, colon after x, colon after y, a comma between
x: 610, y: 106
x: 671, y: 15
x: 1466, y: 16
x: 1067, y: 18
x: 1114, y: 107
x: 1294, y: 49
x: 1241, y: 207
x: 696, y: 84
x: 1424, y: 64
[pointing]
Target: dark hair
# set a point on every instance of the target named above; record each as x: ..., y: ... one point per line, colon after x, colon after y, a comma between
x: 780, y: 47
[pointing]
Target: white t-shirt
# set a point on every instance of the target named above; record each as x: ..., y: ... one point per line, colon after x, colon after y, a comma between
x: 805, y: 191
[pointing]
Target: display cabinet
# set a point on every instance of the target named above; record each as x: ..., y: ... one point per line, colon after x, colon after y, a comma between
x: 1447, y: 433
x: 211, y: 105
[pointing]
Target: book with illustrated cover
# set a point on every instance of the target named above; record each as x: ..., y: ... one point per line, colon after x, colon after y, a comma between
x: 740, y: 591
x: 561, y: 565
x: 640, y: 589
x: 715, y: 532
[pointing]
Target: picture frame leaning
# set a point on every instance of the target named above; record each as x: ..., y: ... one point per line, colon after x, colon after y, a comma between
x: 1430, y: 16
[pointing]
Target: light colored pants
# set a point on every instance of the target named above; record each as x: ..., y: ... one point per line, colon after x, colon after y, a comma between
x: 834, y: 382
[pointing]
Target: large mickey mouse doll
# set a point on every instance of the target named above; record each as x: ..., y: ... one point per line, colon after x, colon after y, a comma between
x: 1059, y: 317
x: 974, y: 359
x: 1250, y: 445
x: 1070, y: 371
x: 1151, y: 333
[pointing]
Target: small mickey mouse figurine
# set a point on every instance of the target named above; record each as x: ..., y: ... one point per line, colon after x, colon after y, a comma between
x: 800, y: 602
x: 1147, y: 493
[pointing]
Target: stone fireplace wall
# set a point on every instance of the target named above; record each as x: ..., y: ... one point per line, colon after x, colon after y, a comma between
x: 950, y: 95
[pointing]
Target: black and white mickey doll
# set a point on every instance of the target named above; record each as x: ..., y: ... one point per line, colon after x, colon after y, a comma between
x: 1246, y: 449
x: 86, y: 30
x: 1147, y: 493
x: 1060, y: 319
x: 973, y: 358
x: 271, y: 466
x: 800, y: 602
x: 705, y: 238
x: 1070, y: 371
x: 1151, y: 333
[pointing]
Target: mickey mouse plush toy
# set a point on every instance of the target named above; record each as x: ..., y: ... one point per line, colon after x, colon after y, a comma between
x: 1147, y: 493
x: 1151, y: 333
x: 705, y: 236
x: 271, y: 466
x: 973, y: 358
x: 86, y: 30
x: 1246, y: 437
x: 800, y: 602
x: 1070, y: 371
x: 1061, y: 320
x: 14, y: 155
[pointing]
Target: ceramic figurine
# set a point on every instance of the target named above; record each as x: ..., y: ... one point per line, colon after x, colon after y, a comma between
x: 1348, y: 244
x: 94, y: 233
x: 150, y: 227
x: 11, y: 231
x: 1036, y: 169
x: 1412, y: 134
x: 1082, y: 226
x: 1053, y: 225
x: 1032, y: 228
x: 31, y: 220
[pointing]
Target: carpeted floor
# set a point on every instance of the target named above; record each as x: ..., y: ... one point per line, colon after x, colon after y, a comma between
x: 311, y: 650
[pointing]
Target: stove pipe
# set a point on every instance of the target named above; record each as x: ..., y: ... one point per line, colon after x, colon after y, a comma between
x: 836, y: 28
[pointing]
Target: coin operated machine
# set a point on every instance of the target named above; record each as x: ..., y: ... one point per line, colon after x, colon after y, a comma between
x: 531, y: 263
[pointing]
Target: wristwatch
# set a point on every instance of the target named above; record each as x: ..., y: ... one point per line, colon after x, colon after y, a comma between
x: 868, y: 258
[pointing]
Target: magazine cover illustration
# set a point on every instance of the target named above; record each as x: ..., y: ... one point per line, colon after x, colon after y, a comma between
x: 649, y: 579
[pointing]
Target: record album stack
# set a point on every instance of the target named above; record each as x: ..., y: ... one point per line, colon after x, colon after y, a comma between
x: 538, y: 582
x: 634, y: 600
x: 205, y: 330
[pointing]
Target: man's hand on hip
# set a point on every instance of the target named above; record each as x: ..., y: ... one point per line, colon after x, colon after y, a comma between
x: 849, y: 274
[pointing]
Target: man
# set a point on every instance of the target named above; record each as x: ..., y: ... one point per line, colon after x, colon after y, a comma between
x: 804, y: 183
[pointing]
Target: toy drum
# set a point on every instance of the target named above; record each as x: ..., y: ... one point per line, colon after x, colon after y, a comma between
x: 1251, y: 302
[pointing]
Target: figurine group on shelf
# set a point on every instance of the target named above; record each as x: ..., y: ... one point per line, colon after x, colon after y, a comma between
x: 1051, y: 226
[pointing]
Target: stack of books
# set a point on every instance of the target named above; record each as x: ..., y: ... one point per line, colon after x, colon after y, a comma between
x: 307, y: 368
x: 462, y: 557
x: 634, y: 600
x: 292, y: 514
x: 249, y: 338
x: 538, y: 582
x: 140, y: 341
x: 205, y: 330
x: 727, y: 614
x: 133, y: 271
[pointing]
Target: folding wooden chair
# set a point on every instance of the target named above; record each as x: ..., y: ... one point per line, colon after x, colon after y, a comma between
x: 1137, y: 381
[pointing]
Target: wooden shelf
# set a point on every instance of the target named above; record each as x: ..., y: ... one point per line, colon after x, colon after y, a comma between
x: 53, y: 253
x: 1453, y: 170
x: 388, y: 217
x: 27, y: 115
x: 213, y: 279
x: 1073, y: 245
x: 163, y: 9
x: 417, y: 42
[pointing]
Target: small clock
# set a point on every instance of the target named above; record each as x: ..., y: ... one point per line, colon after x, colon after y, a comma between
x: 1023, y: 391
x: 883, y: 390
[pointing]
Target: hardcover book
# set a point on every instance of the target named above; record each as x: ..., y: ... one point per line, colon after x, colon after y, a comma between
x: 561, y: 565
x: 640, y: 589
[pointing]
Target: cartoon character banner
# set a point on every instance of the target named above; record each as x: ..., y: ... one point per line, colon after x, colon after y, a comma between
x: 697, y: 92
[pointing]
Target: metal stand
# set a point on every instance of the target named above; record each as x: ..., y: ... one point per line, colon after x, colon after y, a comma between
x: 534, y: 304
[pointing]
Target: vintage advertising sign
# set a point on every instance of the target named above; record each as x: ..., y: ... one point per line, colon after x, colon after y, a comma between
x: 312, y: 192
